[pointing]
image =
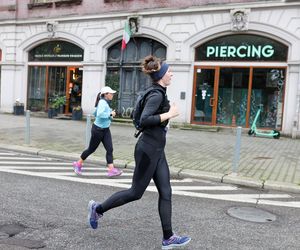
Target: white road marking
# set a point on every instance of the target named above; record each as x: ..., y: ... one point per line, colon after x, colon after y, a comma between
x: 66, y: 173
x: 246, y: 198
x: 31, y: 163
x: 23, y: 158
x: 200, y: 188
x: 62, y: 167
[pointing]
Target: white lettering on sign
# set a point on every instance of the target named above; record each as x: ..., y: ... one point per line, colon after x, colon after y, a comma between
x: 250, y: 51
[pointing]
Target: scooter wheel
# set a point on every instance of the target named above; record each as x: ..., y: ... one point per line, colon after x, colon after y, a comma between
x: 277, y: 136
x: 250, y: 132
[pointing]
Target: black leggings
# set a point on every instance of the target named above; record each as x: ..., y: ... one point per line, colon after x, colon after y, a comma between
x: 99, y: 135
x: 150, y: 163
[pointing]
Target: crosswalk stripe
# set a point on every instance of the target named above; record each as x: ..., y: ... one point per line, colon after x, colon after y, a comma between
x: 63, y: 167
x: 245, y: 198
x: 23, y: 158
x: 31, y: 163
x: 200, y: 188
x: 51, y: 174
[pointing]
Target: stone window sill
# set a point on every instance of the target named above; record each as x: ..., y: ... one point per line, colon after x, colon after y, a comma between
x: 39, y: 5
x: 67, y: 2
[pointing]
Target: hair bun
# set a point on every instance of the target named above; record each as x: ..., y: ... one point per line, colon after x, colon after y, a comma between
x: 151, y: 64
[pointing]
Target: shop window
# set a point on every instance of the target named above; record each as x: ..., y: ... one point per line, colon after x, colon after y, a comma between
x: 233, y: 96
x: 57, y: 77
x: 267, y: 94
x: 36, y: 88
x: 133, y: 80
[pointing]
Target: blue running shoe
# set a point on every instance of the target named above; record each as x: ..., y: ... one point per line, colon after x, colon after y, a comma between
x: 175, y: 241
x: 93, y: 216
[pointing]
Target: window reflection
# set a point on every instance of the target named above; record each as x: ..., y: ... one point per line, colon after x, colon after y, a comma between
x: 267, y: 92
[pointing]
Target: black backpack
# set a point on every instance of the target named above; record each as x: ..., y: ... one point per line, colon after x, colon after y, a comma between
x: 139, y: 106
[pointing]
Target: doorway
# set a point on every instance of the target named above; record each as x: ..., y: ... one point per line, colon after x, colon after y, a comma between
x: 204, y: 97
x: 231, y: 96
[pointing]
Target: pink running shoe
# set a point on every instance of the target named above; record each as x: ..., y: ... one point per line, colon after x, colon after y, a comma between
x: 114, y: 172
x: 77, y: 167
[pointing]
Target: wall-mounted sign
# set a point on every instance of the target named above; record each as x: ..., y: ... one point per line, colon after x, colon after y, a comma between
x: 56, y: 51
x: 241, y: 47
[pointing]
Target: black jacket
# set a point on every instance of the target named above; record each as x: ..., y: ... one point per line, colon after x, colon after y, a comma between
x: 154, y: 131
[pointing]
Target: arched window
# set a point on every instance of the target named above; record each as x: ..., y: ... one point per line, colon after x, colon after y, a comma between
x: 125, y: 74
x: 61, y: 79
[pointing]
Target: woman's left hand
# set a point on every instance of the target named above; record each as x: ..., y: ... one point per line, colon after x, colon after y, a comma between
x: 113, y: 113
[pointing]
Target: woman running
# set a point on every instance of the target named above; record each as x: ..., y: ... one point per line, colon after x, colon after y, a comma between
x: 150, y: 159
x: 101, y: 133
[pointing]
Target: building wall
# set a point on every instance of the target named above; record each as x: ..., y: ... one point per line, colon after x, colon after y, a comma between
x: 14, y: 9
x: 180, y: 31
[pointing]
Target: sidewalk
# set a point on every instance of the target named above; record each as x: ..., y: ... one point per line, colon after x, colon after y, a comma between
x: 272, y: 163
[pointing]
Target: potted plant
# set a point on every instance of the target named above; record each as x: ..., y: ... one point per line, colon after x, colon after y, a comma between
x: 51, y: 111
x: 18, y: 108
x: 77, y: 113
x: 59, y: 102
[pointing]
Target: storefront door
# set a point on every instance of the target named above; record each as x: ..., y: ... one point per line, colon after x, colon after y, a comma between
x: 74, y: 88
x: 67, y: 82
x: 204, y: 95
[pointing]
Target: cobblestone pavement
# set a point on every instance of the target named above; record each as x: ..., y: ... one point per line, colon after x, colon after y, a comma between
x: 263, y: 161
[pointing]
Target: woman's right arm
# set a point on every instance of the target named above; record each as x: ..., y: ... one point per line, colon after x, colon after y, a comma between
x: 173, y: 112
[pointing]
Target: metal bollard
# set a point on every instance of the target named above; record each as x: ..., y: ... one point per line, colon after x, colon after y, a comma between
x: 237, y: 152
x: 27, y: 128
x: 88, y: 131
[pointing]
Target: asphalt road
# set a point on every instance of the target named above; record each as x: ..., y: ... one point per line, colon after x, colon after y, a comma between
x: 54, y: 214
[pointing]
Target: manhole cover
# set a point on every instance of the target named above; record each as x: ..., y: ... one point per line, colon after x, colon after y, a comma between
x: 251, y: 214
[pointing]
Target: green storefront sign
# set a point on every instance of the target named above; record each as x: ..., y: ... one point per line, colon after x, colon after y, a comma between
x: 241, y: 48
x: 56, y: 51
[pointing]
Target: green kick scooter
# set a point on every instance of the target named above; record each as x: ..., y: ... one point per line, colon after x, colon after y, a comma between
x: 254, y: 131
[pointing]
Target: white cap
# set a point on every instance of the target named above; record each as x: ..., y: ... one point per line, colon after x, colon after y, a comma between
x: 107, y: 89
